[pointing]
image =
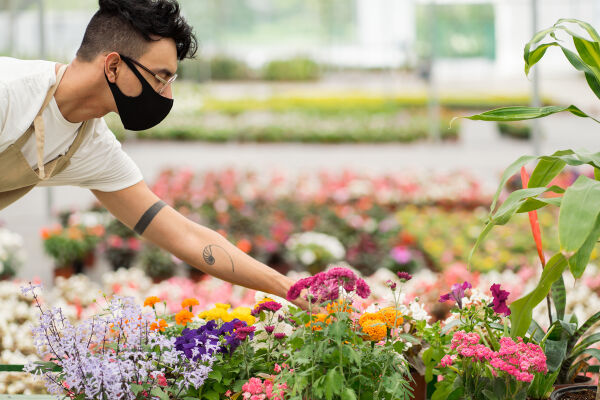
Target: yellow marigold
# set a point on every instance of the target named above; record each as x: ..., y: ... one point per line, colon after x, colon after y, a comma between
x: 265, y: 300
x: 391, y: 316
x: 222, y: 306
x: 159, y: 325
x: 189, y: 303
x: 218, y: 312
x: 151, y: 301
x: 317, y: 320
x: 183, y: 317
x: 243, y: 314
x: 375, y: 330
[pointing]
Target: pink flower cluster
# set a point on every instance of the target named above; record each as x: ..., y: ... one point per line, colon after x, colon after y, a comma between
x: 325, y: 286
x: 518, y: 359
x: 272, y: 306
x: 256, y: 389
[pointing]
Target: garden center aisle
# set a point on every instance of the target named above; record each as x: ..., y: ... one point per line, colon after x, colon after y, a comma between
x: 480, y: 150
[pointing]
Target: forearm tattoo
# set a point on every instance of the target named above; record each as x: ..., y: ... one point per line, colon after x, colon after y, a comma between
x: 148, y: 216
x: 209, y: 258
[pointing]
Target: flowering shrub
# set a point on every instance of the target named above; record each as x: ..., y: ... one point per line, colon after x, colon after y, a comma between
x: 12, y: 256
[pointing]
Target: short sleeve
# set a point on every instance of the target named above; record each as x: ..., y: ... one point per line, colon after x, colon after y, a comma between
x: 4, y: 103
x: 100, y: 163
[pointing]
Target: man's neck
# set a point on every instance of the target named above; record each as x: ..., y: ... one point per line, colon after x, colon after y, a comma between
x: 81, y: 95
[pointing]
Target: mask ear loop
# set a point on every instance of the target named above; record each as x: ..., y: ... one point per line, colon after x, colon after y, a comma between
x: 143, y: 81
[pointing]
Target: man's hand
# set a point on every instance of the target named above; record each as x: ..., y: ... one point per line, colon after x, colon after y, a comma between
x: 197, y: 245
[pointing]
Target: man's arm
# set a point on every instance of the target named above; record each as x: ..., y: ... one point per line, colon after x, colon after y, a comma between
x: 197, y: 245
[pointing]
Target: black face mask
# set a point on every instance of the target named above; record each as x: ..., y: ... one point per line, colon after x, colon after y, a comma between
x: 141, y: 112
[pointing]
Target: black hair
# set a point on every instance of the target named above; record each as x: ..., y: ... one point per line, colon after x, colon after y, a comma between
x: 128, y: 26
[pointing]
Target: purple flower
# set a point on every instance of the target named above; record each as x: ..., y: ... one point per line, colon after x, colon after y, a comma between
x: 457, y: 292
x: 279, y: 336
x: 401, y: 254
x: 298, y: 287
x: 269, y: 329
x: 500, y: 297
x: 391, y: 284
x: 404, y: 276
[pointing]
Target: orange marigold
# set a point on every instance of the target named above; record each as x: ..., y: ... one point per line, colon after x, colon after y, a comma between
x: 189, y: 303
x: 151, y: 301
x: 370, y: 317
x: 374, y: 330
x: 391, y: 316
x: 159, y: 325
x: 183, y: 317
x: 336, y: 306
x: 317, y: 319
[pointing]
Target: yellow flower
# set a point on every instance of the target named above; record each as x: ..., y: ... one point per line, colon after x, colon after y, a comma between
x: 243, y: 314
x: 368, y: 317
x: 189, y: 303
x: 391, y: 317
x: 222, y: 306
x: 159, y: 325
x: 183, y: 317
x: 151, y: 301
x: 265, y: 300
x: 375, y: 330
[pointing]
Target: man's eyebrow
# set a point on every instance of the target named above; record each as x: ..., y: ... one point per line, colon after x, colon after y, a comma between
x: 164, y: 71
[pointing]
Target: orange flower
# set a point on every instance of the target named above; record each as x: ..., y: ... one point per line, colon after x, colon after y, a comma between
x: 159, y: 325
x: 392, y: 317
x: 151, y: 301
x: 244, y: 245
x: 317, y: 320
x: 375, y: 330
x: 336, y: 306
x: 189, y: 303
x: 183, y: 317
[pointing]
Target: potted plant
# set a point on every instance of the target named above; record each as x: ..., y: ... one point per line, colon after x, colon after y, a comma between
x: 121, y: 245
x: 579, y: 204
x: 12, y: 256
x: 67, y: 246
x: 157, y: 263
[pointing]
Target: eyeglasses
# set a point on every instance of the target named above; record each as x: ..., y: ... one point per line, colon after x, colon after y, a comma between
x: 164, y: 82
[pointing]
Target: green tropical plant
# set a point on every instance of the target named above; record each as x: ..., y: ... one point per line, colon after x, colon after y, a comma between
x: 568, y: 348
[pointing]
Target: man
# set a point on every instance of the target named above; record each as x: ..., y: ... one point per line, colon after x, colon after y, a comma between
x: 52, y: 131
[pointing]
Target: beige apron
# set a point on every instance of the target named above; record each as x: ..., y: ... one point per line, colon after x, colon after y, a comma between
x: 17, y: 178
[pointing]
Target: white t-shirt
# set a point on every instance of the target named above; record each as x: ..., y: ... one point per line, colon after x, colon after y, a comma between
x: 100, y: 163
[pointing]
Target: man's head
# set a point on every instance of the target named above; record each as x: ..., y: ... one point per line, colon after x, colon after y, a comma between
x: 134, y: 45
x: 129, y: 26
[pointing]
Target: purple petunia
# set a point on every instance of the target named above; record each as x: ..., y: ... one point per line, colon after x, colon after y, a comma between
x: 500, y: 297
x: 457, y: 292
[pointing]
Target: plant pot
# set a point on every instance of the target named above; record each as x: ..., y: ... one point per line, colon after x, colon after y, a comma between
x: 65, y: 271
x: 418, y: 386
x: 89, y: 259
x: 560, y: 393
x: 580, y: 380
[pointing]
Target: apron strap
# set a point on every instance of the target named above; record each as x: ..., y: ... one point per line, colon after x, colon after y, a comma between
x: 39, y: 126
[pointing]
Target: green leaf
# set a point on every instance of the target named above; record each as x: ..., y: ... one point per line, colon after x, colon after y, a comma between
x: 160, y: 393
x: 216, y: 375
x: 559, y: 297
x: 348, y: 394
x: 536, y: 203
x: 579, y: 261
x: 597, y: 173
x: 521, y: 309
x: 556, y: 352
x: 591, y: 321
x: 531, y: 58
x: 334, y: 382
x: 593, y: 352
x: 546, y: 169
x: 521, y: 113
x: 507, y: 174
x: 211, y: 395
x: 578, y: 214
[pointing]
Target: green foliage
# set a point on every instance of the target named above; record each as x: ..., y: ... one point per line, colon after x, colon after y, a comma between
x: 157, y: 263
x: 515, y: 130
x: 295, y: 69
x: 225, y: 68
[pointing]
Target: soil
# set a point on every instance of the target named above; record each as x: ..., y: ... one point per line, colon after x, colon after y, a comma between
x: 583, y: 395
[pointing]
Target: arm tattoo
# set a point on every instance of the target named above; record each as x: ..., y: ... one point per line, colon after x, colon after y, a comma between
x: 210, y: 259
x: 148, y: 216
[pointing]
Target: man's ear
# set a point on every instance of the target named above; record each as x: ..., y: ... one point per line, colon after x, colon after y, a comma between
x: 112, y: 65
